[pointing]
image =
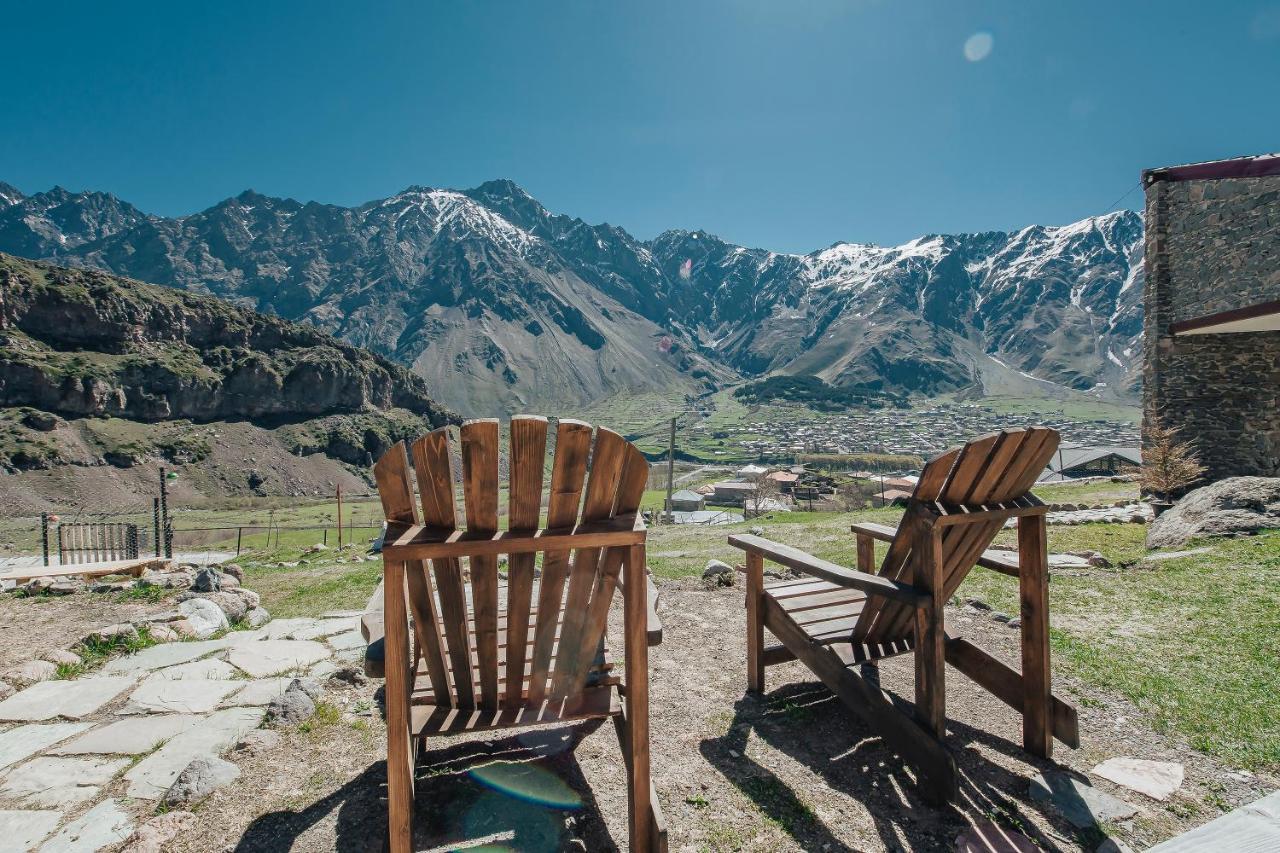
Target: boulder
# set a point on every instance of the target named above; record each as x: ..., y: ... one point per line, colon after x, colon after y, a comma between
x: 716, y: 569
x: 199, y: 779
x: 35, y: 586
x: 291, y: 707
x: 162, y: 633
x: 256, y: 617
x: 183, y: 628
x: 251, y: 598
x: 65, y: 586
x: 1230, y: 507
x: 207, y: 580
x: 233, y: 570
x: 234, y: 606
x: 204, y: 617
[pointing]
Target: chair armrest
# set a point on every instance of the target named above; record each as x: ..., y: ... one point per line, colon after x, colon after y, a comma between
x: 796, y: 559
x: 883, y: 532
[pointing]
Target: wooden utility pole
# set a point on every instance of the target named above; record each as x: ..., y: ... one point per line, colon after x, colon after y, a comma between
x: 671, y: 470
x: 339, y: 515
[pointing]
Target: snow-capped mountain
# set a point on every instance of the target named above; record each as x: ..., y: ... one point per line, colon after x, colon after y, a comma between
x: 502, y: 304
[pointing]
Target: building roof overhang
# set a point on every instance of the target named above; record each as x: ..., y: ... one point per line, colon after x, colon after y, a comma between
x: 1259, y: 166
x: 1262, y: 317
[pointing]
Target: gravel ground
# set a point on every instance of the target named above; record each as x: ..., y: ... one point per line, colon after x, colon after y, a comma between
x: 791, y: 770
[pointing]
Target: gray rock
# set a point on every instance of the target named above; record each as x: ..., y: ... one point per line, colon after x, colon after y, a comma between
x: 1080, y: 803
x: 259, y: 741
x: 199, y: 779
x: 757, y: 531
x: 233, y: 570
x: 291, y: 707
x: 55, y: 782
x: 205, y: 617
x: 257, y: 617
x: 25, y: 741
x: 152, y: 776
x: 162, y: 633
x: 31, y: 672
x: 1234, y: 506
x: 349, y: 675
x: 251, y: 598
x: 70, y: 699
x: 717, y: 567
x: 35, y: 586
x: 127, y: 736
x: 181, y: 696
x: 103, y: 826
x: 234, y: 606
x: 309, y: 686
x: 113, y: 634
x: 207, y: 580
x: 230, y: 582
x: 60, y: 656
x: 65, y: 586
x: 6, y: 690
x: 159, y: 832
x: 1113, y: 845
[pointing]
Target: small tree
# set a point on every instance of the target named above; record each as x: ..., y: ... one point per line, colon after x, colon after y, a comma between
x: 1169, y: 465
x: 854, y: 494
x: 766, y: 491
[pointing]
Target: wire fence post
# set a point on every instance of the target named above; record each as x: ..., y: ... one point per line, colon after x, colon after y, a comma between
x: 44, y: 535
x: 155, y: 524
x: 339, y: 515
x: 239, y: 534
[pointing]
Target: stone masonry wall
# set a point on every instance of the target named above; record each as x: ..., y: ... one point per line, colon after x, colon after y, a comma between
x: 1214, y: 245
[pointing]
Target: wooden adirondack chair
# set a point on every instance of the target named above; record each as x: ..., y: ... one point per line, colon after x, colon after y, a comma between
x: 843, y: 620
x: 530, y: 651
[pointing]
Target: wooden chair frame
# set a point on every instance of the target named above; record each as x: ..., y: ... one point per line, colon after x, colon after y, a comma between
x: 555, y: 671
x: 916, y: 733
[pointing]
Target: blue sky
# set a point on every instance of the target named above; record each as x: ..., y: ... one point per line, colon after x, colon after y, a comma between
x: 788, y: 124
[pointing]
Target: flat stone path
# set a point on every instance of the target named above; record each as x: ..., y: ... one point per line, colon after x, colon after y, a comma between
x: 143, y: 718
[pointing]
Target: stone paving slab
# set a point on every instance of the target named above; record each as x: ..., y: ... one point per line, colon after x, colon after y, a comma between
x: 348, y: 640
x: 276, y: 657
x: 23, y: 830
x: 1157, y: 779
x: 209, y: 669
x: 988, y: 837
x: 215, y: 734
x: 130, y: 736
x: 26, y: 741
x: 168, y: 654
x: 279, y: 629
x: 240, y: 638
x: 59, y: 781
x: 179, y: 696
x: 324, y: 628
x: 102, y: 826
x: 1079, y: 802
x: 259, y: 692
x: 70, y: 699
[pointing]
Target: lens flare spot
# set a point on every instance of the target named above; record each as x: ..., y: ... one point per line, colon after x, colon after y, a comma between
x: 527, y: 782
x: 686, y: 269
x: 977, y: 47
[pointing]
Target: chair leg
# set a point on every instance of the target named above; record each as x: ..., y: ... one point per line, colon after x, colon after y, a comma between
x: 400, y: 745
x: 635, y: 620
x: 1033, y: 583
x: 931, y: 665
x: 755, y: 623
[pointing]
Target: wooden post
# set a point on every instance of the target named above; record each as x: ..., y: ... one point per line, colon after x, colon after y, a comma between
x: 44, y: 536
x: 1033, y: 584
x: 339, y: 515
x: 755, y: 622
x: 400, y: 757
x: 931, y: 690
x: 866, y: 554
x: 636, y: 627
x: 155, y: 524
x: 164, y: 514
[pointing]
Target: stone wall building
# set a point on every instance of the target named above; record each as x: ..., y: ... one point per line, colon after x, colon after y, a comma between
x: 1212, y: 311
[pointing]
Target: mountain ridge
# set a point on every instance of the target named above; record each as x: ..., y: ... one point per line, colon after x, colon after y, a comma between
x: 502, y: 304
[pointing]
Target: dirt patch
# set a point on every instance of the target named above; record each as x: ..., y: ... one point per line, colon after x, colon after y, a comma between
x: 790, y: 770
x: 31, y: 625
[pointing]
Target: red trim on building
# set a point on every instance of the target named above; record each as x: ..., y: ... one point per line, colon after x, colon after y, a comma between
x: 1260, y: 166
x: 1249, y: 312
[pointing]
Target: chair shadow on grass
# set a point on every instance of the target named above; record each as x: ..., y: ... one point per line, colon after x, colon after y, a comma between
x: 524, y: 791
x: 807, y: 722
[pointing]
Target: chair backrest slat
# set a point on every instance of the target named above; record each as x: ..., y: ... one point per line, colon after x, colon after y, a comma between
x: 392, y: 476
x: 433, y: 466
x: 607, y: 457
x: 635, y: 476
x: 573, y: 447
x: 990, y: 469
x: 528, y: 451
x: 480, y: 497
